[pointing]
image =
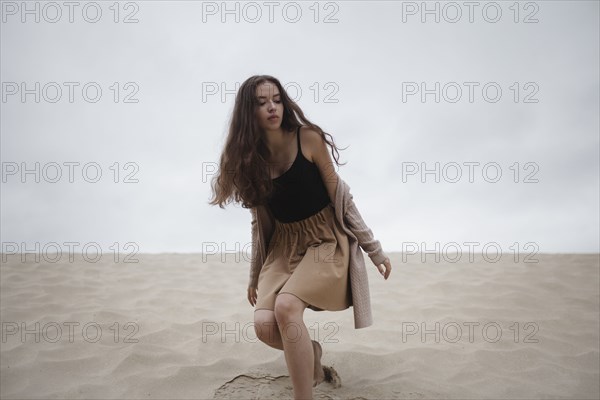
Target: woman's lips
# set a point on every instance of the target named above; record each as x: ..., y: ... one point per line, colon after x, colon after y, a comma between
x: 273, y: 118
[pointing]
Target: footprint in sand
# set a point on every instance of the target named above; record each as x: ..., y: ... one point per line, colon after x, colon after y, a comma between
x: 332, y: 376
x: 261, y: 386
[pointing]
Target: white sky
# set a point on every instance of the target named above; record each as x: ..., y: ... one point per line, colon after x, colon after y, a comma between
x: 176, y: 128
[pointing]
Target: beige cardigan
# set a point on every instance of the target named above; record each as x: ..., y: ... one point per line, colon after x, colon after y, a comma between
x: 359, y: 234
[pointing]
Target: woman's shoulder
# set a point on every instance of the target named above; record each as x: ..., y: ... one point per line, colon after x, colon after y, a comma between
x: 310, y: 133
x: 311, y: 142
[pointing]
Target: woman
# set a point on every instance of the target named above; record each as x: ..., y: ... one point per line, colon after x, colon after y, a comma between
x: 275, y: 162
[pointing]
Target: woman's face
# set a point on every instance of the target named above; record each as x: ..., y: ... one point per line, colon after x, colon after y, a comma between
x: 270, y: 109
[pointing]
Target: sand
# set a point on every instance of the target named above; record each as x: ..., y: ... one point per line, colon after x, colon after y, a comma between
x: 175, y: 326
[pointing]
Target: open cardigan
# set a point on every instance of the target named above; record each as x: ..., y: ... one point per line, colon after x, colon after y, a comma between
x: 359, y: 236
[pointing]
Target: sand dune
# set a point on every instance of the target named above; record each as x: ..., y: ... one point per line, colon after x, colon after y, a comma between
x: 175, y: 327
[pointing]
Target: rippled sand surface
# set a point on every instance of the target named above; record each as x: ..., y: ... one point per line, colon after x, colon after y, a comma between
x: 175, y: 326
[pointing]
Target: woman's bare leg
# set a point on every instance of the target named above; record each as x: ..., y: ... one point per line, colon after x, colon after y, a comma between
x: 265, y: 326
x: 297, y: 346
x: 319, y: 374
x: 267, y: 330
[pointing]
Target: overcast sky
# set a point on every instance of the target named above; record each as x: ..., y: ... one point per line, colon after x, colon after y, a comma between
x: 518, y: 94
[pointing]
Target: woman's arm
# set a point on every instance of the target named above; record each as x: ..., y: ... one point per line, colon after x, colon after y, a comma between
x: 262, y: 233
x: 254, y: 270
x: 363, y: 233
x: 353, y: 219
x: 317, y: 149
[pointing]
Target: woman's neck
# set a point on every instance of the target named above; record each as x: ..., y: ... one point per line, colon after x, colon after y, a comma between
x: 276, y: 140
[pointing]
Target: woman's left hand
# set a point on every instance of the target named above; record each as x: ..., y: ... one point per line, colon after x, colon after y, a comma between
x: 385, y: 269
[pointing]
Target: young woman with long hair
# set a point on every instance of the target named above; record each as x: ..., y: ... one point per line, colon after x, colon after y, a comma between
x: 276, y: 160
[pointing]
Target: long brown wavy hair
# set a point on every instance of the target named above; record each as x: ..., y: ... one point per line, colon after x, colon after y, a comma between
x: 243, y: 174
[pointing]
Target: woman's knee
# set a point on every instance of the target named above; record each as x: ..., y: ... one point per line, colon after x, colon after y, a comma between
x: 265, y: 325
x: 288, y: 306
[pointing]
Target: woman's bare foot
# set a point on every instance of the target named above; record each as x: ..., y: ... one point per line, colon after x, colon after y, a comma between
x: 319, y: 373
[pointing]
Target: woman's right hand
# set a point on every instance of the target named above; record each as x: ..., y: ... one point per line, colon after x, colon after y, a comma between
x: 252, y: 295
x: 386, y: 270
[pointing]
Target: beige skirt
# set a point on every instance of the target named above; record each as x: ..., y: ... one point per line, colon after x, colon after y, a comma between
x: 309, y: 259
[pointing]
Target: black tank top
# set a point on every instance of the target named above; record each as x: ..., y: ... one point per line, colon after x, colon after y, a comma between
x: 299, y: 192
